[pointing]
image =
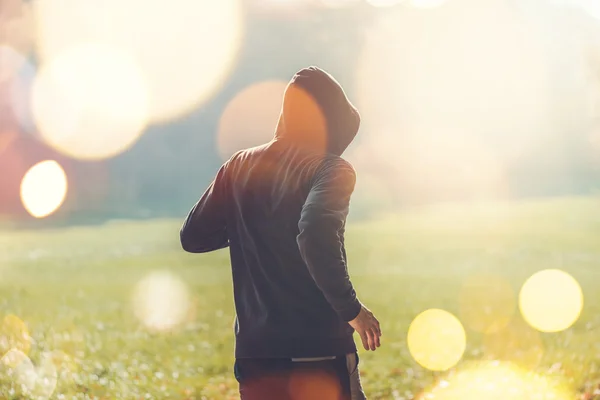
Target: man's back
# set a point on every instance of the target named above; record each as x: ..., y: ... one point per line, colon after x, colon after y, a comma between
x: 281, y: 311
x: 281, y: 209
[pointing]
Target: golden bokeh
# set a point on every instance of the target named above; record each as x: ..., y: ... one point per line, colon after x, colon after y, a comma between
x: 185, y: 48
x: 44, y: 188
x: 436, y: 340
x: 496, y: 381
x: 551, y: 300
x: 516, y: 342
x: 90, y: 102
x: 487, y: 303
x: 14, y: 335
x: 250, y: 117
x: 161, y: 301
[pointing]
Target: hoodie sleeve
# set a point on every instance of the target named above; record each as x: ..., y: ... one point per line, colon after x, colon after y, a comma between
x: 205, y: 227
x: 321, y: 240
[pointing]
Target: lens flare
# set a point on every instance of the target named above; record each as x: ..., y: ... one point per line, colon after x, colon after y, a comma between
x: 456, y: 68
x: 551, y: 300
x: 496, y: 381
x: 436, y: 340
x: 487, y: 303
x: 90, y: 102
x: 44, y: 188
x: 161, y: 301
x: 250, y: 117
x: 185, y: 48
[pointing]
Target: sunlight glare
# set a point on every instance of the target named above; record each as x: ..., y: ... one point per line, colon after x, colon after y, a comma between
x: 90, y: 102
x: 44, y: 188
x: 551, y: 300
x: 185, y: 48
x: 475, y: 69
x: 436, y: 340
x: 427, y: 3
x: 496, y: 381
x: 338, y: 3
x: 384, y: 3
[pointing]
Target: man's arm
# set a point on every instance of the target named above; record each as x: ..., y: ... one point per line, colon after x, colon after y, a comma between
x: 205, y: 227
x: 321, y: 236
x: 321, y: 244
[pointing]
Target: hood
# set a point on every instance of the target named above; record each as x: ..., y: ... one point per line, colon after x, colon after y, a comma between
x: 317, y: 113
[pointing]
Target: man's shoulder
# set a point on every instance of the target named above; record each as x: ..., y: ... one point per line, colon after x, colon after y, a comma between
x: 332, y: 163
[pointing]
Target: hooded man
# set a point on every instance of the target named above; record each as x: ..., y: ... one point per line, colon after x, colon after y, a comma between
x: 281, y: 209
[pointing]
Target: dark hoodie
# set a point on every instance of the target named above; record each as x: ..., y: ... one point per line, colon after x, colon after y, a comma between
x: 281, y: 208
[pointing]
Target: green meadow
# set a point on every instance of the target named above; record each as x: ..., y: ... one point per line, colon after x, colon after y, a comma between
x: 67, y: 301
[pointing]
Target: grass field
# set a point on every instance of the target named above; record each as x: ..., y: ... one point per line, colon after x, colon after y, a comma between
x: 72, y: 289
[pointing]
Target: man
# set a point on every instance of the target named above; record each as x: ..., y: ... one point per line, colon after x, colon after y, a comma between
x: 281, y: 208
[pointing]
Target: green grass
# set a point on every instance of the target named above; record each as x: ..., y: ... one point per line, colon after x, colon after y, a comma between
x: 73, y: 289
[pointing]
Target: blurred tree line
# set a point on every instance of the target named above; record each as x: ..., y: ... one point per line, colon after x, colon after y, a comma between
x: 171, y: 165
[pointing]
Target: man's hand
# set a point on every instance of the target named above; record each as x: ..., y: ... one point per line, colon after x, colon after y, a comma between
x: 368, y: 328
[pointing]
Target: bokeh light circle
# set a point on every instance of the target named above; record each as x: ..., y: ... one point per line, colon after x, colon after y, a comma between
x: 44, y: 188
x: 551, y: 300
x: 436, y: 340
x: 91, y: 102
x: 250, y: 117
x: 496, y: 381
x: 186, y: 48
x: 161, y: 301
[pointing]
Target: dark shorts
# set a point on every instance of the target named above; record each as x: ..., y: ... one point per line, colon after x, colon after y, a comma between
x: 285, y: 379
